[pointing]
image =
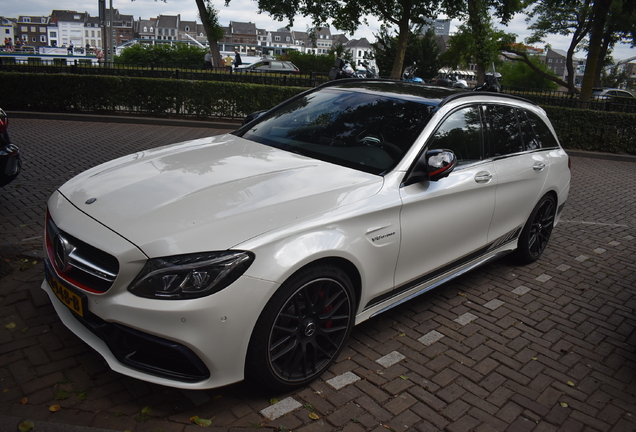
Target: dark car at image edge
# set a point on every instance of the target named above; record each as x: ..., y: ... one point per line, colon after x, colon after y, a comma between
x: 10, y: 162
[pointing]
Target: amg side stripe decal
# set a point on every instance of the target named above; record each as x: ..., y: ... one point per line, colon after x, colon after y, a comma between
x: 423, y: 280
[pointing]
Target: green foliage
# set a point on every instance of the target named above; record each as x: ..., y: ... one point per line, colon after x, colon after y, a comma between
x: 340, y: 51
x: 140, y: 96
x: 590, y: 130
x: 176, y: 55
x: 519, y: 74
x: 308, y: 62
x: 212, y: 17
x: 421, y: 49
x: 466, y: 49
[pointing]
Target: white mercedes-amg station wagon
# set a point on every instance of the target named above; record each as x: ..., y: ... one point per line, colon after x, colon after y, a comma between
x: 253, y: 254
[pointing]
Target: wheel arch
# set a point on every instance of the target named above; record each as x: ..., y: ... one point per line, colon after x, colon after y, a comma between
x: 345, y: 265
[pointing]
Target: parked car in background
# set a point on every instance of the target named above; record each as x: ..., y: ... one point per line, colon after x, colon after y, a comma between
x: 270, y: 66
x: 10, y: 162
x: 609, y: 93
x: 253, y: 254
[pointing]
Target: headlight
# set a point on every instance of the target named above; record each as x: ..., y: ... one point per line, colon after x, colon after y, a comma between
x: 190, y: 276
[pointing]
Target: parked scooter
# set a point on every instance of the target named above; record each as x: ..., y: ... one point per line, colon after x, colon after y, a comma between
x: 409, y: 74
x: 341, y: 69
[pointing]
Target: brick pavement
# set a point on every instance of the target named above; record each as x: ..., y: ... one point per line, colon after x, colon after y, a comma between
x: 546, y: 347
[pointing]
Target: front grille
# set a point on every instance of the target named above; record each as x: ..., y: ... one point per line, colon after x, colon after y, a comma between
x: 79, y: 263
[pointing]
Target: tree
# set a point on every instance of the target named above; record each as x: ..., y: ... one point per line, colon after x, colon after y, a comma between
x: 466, y: 48
x: 478, y: 24
x: 519, y: 74
x: 347, y: 15
x: 213, y: 30
x: 421, y: 49
x: 602, y: 23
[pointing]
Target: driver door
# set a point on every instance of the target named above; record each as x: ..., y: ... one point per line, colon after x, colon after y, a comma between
x: 444, y: 222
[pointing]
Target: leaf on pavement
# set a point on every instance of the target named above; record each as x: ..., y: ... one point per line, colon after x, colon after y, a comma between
x: 62, y: 394
x: 146, y: 410
x: 24, y: 401
x: 563, y: 404
x: 54, y: 408
x: 10, y: 326
x: 313, y: 416
x: 26, y: 426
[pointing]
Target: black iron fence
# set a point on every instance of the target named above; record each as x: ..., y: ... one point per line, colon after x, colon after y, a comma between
x: 222, y: 74
x: 572, y: 100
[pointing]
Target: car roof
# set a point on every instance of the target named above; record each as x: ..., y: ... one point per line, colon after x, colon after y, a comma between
x: 427, y: 94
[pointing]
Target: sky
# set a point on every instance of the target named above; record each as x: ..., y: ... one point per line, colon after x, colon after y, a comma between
x: 247, y: 11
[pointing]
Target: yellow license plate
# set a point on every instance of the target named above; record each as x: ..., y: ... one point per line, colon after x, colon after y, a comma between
x: 69, y: 298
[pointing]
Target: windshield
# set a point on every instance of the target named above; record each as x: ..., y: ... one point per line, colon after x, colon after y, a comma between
x: 368, y: 131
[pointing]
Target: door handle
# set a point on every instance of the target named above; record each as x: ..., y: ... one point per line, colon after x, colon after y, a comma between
x: 539, y: 166
x: 483, y: 177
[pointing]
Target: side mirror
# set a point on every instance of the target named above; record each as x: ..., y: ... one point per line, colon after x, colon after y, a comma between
x: 433, y: 165
x: 440, y: 163
x: 253, y: 116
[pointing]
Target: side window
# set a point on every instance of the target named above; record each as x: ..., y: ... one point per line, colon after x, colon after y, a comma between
x: 461, y: 132
x: 542, y: 132
x: 503, y: 131
x: 527, y: 133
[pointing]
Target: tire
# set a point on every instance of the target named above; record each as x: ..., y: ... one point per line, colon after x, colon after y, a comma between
x: 302, y: 329
x: 536, y: 233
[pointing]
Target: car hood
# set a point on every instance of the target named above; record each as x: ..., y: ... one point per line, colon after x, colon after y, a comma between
x: 211, y: 193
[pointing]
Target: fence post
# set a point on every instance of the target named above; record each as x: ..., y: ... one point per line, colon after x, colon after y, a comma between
x: 176, y: 73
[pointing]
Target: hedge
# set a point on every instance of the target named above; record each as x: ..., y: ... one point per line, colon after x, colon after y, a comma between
x: 143, y: 96
x: 590, y: 130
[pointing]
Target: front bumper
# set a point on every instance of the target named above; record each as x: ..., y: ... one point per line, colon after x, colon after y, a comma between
x: 190, y: 344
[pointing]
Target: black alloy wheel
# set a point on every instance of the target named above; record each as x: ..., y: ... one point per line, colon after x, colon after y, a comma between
x: 302, y: 329
x: 536, y: 233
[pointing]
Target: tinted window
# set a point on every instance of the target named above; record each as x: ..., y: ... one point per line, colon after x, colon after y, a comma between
x: 366, y: 131
x: 461, y: 132
x: 542, y: 132
x: 503, y: 131
x: 527, y: 133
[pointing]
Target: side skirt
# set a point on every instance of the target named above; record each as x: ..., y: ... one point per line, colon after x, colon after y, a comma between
x: 442, y: 275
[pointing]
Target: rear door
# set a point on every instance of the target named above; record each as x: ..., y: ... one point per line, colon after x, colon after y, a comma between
x: 522, y: 167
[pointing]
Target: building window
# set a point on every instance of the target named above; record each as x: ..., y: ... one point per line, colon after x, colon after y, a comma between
x: 42, y: 29
x: 27, y: 19
x: 43, y: 20
x: 53, y: 34
x: 86, y: 33
x: 42, y: 38
x: 276, y: 38
x: 287, y: 38
x: 187, y: 28
x: 33, y: 39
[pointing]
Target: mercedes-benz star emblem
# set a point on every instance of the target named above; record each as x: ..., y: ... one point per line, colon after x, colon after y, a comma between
x: 61, y: 252
x: 310, y: 329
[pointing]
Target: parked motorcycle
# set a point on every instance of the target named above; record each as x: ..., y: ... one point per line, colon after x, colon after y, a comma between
x: 409, y: 74
x: 369, y: 71
x: 341, y: 69
x: 492, y: 83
